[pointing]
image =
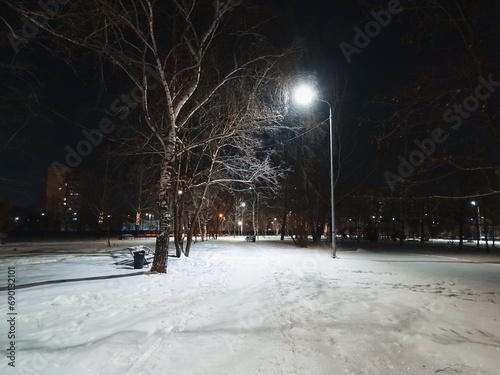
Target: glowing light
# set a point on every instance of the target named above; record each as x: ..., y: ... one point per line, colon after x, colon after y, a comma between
x: 304, y: 95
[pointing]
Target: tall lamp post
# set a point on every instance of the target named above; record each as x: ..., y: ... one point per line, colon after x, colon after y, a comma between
x: 477, y: 221
x: 219, y: 222
x: 242, y: 212
x: 305, y: 95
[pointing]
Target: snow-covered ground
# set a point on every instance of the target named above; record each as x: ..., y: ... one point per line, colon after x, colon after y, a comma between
x: 237, y: 307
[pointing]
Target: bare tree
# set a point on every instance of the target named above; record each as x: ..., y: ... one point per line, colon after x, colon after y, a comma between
x: 445, y: 123
x: 166, y: 49
x: 231, y: 156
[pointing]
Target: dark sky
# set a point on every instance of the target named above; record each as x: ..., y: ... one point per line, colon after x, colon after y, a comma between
x: 63, y: 104
x: 50, y: 121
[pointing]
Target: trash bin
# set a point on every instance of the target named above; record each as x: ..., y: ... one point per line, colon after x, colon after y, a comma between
x: 139, y: 259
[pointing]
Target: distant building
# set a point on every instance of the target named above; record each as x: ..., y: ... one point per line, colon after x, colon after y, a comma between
x: 63, y: 198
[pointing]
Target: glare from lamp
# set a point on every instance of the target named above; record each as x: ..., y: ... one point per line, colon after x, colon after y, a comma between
x: 304, y: 95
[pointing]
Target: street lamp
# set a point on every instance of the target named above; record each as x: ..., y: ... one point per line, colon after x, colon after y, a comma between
x: 305, y: 95
x: 242, y: 212
x: 109, y: 234
x: 219, y: 222
x: 477, y: 221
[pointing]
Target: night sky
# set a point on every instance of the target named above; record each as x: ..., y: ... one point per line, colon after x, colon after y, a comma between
x: 67, y: 100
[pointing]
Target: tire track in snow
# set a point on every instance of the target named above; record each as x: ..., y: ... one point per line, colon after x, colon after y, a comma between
x: 139, y: 368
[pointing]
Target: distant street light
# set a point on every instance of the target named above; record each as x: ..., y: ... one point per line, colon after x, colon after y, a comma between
x: 305, y: 95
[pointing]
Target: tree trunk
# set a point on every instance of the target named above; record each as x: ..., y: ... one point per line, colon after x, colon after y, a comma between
x: 189, y: 241
x: 486, y: 235
x: 194, y: 220
x: 163, y: 237
x: 178, y: 227
x: 285, y: 214
x: 493, y: 235
x: 401, y: 239
x: 422, y: 230
x: 460, y: 233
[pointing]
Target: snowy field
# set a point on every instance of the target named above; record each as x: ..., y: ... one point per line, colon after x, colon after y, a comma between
x: 237, y: 307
